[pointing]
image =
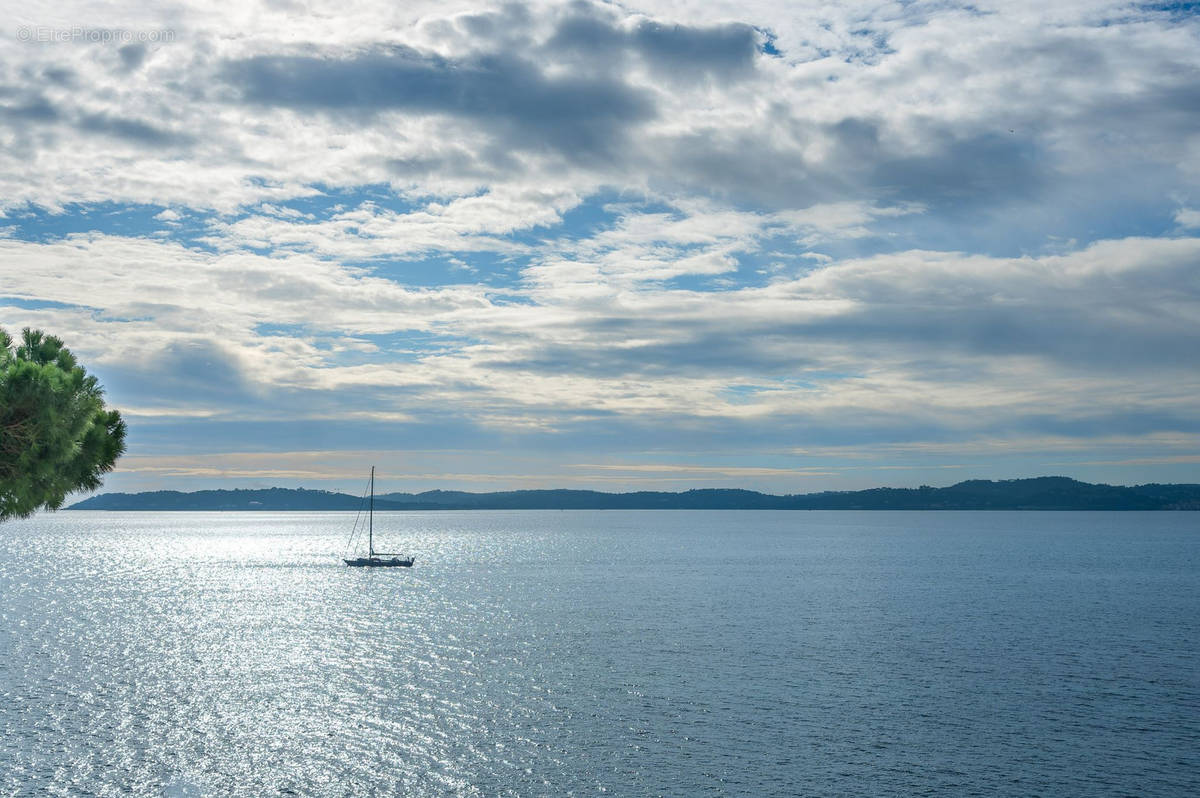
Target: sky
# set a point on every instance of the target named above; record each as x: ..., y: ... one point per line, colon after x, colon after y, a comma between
x: 789, y: 247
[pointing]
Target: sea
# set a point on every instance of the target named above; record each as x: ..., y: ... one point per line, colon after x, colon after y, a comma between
x: 629, y: 653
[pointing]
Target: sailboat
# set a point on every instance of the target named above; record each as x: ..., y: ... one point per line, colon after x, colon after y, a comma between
x: 376, y: 559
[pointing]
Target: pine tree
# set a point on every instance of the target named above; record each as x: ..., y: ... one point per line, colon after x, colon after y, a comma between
x: 56, y: 435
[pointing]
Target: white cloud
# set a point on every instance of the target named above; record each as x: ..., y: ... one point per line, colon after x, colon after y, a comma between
x: 849, y: 231
x: 948, y: 339
x: 1188, y: 218
x: 865, y: 100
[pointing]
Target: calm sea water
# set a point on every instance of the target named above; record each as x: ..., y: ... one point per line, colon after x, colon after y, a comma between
x: 634, y: 653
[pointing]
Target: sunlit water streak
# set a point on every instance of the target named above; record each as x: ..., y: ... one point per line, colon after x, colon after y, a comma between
x: 547, y: 653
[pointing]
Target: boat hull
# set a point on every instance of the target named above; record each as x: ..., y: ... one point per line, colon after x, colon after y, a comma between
x: 378, y: 562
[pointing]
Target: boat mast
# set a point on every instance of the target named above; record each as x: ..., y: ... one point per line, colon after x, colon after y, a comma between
x: 371, y: 519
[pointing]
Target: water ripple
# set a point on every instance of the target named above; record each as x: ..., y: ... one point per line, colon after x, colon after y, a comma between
x: 191, y: 654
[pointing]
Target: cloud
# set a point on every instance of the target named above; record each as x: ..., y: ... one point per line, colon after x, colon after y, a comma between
x: 674, y: 52
x: 580, y: 118
x: 132, y: 55
x: 1188, y: 218
x: 908, y: 339
x: 951, y: 108
x: 32, y: 108
x: 132, y: 130
x: 569, y: 225
x: 467, y: 224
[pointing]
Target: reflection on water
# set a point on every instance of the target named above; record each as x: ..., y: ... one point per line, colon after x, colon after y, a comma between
x: 534, y: 653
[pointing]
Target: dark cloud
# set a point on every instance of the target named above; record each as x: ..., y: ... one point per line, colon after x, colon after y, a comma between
x: 585, y: 113
x: 928, y: 323
x: 1099, y: 422
x: 580, y: 117
x: 132, y: 130
x: 61, y: 76
x: 587, y: 33
x: 745, y: 167
x: 183, y: 372
x: 681, y: 53
x: 687, y: 349
x: 720, y: 51
x: 1097, y: 339
x: 30, y: 109
x: 489, y: 163
x: 132, y: 56
x: 36, y: 110
x: 959, y: 168
x: 957, y: 171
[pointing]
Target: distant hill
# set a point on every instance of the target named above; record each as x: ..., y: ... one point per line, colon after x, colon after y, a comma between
x: 266, y: 499
x: 1039, y: 493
